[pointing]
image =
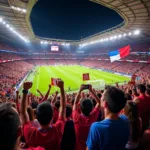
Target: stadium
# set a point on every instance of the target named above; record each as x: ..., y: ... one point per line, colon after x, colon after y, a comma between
x: 43, y: 68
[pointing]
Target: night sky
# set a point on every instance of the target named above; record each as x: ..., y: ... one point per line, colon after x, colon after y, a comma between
x: 71, y: 19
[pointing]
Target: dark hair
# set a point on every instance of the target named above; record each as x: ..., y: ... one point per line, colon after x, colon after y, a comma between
x: 134, y: 91
x: 57, y: 104
x: 130, y: 92
x: 94, y: 102
x: 86, y: 106
x: 148, y: 91
x: 34, y: 104
x: 44, y: 113
x: 68, y: 111
x: 142, y: 88
x: 99, y: 95
x: 131, y: 111
x: 9, y: 124
x: 128, y: 96
x: 115, y: 99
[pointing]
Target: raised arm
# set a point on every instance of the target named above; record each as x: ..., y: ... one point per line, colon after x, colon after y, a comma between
x: 17, y: 99
x: 54, y: 98
x: 46, y: 96
x: 77, y: 99
x: 24, y: 114
x: 62, y: 109
x: 40, y: 93
x: 98, y: 101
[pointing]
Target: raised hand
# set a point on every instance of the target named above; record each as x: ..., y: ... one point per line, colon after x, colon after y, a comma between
x: 27, y: 85
x: 60, y: 83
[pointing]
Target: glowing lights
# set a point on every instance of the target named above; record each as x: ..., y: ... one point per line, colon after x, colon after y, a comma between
x: 13, y: 31
x: 129, y: 33
x: 136, y: 32
x: 22, y: 10
x: 115, y: 37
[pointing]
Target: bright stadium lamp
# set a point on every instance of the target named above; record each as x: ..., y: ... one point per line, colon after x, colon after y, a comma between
x: 4, y: 22
x: 124, y: 34
x: 120, y: 36
x: 136, y: 32
x: 41, y: 42
x: 129, y: 33
x: 1, y: 19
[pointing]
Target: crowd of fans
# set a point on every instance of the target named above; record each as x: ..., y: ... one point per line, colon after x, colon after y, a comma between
x: 114, y: 118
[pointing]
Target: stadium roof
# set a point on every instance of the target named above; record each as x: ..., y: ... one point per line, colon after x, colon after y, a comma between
x: 136, y: 15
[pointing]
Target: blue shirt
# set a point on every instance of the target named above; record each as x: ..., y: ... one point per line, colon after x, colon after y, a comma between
x: 109, y: 134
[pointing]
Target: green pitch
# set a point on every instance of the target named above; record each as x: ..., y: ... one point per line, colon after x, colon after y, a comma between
x: 71, y: 75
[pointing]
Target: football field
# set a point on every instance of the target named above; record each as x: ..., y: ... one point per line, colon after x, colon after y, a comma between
x: 71, y: 75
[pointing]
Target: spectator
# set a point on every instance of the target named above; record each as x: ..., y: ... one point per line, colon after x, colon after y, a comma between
x: 83, y: 121
x: 143, y: 105
x: 10, y: 129
x: 49, y: 136
x: 131, y: 111
x: 68, y: 139
x: 113, y: 132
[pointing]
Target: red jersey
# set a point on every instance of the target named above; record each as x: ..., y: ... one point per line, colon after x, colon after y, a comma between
x: 82, y: 125
x: 49, y: 138
x: 144, y: 109
x: 38, y: 148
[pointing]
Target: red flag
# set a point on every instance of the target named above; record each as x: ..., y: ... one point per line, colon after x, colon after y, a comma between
x: 53, y: 81
x: 86, y: 76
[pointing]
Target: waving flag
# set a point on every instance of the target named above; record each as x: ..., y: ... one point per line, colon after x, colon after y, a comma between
x: 86, y: 76
x: 120, y: 53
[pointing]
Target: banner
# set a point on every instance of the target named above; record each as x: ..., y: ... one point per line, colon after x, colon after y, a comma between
x: 86, y: 76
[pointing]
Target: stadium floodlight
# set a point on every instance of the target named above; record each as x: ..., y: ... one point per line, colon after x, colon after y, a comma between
x: 120, y: 36
x: 7, y: 25
x: 42, y: 42
x: 4, y: 22
x: 124, y: 34
x: 24, y: 10
x: 106, y: 39
x: 19, y: 9
x: 136, y: 32
x: 1, y: 19
x: 115, y: 37
x: 129, y: 33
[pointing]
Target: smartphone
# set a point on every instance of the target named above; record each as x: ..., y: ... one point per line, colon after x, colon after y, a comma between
x: 87, y: 86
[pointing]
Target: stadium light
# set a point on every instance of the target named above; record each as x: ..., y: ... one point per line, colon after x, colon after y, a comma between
x: 124, y: 34
x: 136, y: 32
x: 1, y: 19
x: 129, y: 33
x: 12, y: 30
x: 41, y: 42
x: 22, y: 10
x: 120, y: 36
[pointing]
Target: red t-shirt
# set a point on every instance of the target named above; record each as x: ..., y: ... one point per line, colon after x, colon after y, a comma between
x: 82, y: 125
x: 56, y: 114
x: 49, y: 138
x: 144, y: 109
x: 38, y: 148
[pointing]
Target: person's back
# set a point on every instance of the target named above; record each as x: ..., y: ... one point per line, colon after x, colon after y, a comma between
x: 143, y: 102
x: 82, y: 125
x: 68, y: 139
x: 111, y: 134
x: 83, y: 121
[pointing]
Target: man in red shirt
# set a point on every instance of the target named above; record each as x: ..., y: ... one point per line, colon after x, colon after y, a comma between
x: 83, y: 121
x: 48, y: 136
x: 143, y: 105
x: 10, y: 129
